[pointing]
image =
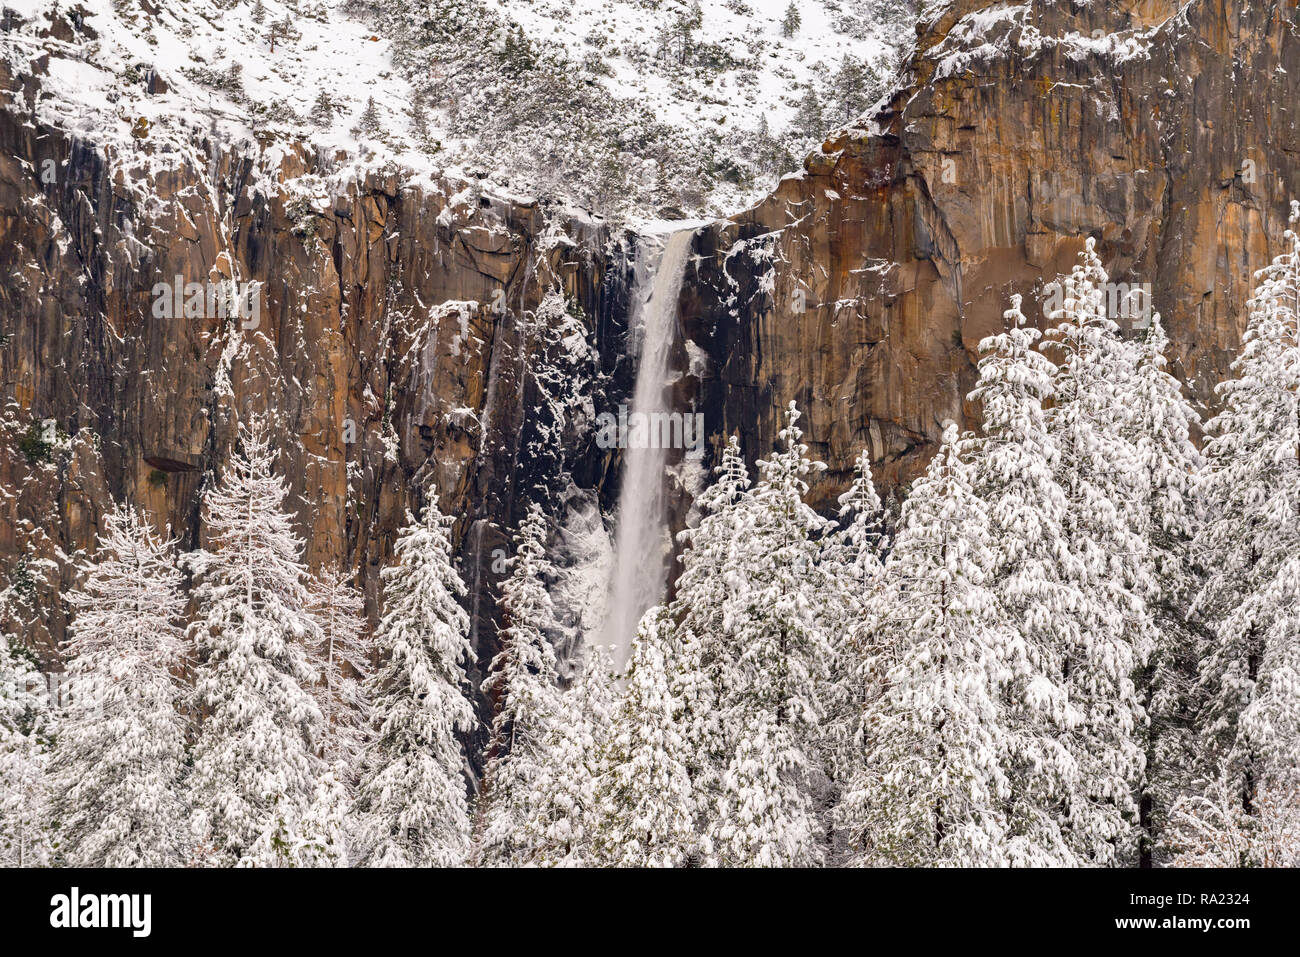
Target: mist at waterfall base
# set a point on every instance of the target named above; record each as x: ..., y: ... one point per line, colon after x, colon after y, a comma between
x: 642, y: 544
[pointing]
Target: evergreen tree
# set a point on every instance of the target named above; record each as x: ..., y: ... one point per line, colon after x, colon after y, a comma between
x: 709, y: 580
x: 26, y: 729
x: 933, y: 787
x: 342, y: 657
x: 851, y: 88
x: 1014, y: 464
x: 322, y: 837
x: 522, y: 682
x: 810, y: 119
x: 774, y: 669
x: 518, y: 55
x: 765, y: 816
x: 322, y: 110
x: 562, y: 825
x: 1169, y: 461
x: 855, y: 551
x: 645, y: 810
x: 254, y: 768
x: 768, y: 155
x: 368, y: 123
x: 679, y: 37
x: 283, y: 29
x: 419, y: 113
x: 791, y: 20
x: 853, y: 569
x: 412, y: 801
x: 1100, y: 472
x: 1250, y: 546
x: 116, y: 769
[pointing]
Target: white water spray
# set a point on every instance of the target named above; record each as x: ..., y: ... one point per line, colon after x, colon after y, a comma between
x: 643, y: 546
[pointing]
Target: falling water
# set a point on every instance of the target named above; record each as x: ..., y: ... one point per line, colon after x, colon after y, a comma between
x: 642, y: 546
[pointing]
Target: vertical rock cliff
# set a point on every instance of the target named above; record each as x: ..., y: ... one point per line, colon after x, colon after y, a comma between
x: 862, y: 287
x: 418, y: 332
x: 410, y: 335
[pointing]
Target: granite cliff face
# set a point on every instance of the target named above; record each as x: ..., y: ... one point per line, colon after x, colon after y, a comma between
x: 863, y: 286
x: 403, y: 329
x: 397, y: 347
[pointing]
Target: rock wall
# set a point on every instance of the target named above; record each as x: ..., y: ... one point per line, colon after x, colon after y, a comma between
x: 862, y: 287
x: 395, y: 350
x: 400, y: 335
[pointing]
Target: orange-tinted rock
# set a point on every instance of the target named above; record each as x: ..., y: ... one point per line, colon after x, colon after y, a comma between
x: 1017, y: 134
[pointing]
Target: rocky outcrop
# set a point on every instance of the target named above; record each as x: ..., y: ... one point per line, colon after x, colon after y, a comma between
x: 394, y: 350
x: 862, y: 287
x: 401, y: 328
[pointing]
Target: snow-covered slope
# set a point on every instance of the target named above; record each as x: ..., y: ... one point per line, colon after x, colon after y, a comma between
x: 626, y: 106
x: 719, y: 70
x: 221, y: 72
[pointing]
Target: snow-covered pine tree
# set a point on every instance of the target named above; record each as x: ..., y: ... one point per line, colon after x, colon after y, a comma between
x: 412, y: 800
x: 368, y: 123
x: 810, y: 118
x: 852, y: 569
x: 26, y: 730
x: 1250, y: 548
x: 255, y: 768
x: 764, y: 815
x: 561, y: 826
x: 1014, y: 463
x: 645, y: 809
x: 118, y: 762
x: 322, y: 109
x: 1160, y: 422
x: 322, y: 836
x: 854, y: 551
x: 708, y: 582
x: 851, y: 89
x: 933, y: 787
x: 522, y: 684
x: 791, y: 20
x: 774, y: 670
x: 342, y: 657
x: 1100, y: 472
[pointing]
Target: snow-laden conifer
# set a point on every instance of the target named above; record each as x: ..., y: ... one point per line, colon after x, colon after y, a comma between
x: 1014, y: 462
x: 522, y: 684
x: 1250, y: 549
x: 26, y: 729
x: 933, y: 787
x: 774, y: 669
x: 1100, y: 471
x: 255, y: 767
x: 645, y: 810
x: 562, y: 825
x: 710, y: 577
x: 853, y: 571
x: 117, y: 769
x: 1160, y: 422
x: 342, y: 657
x: 412, y: 803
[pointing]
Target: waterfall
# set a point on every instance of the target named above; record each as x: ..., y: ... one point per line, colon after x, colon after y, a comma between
x: 642, y: 546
